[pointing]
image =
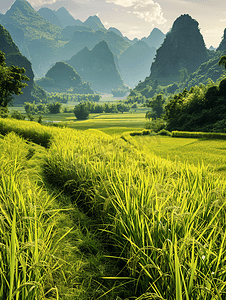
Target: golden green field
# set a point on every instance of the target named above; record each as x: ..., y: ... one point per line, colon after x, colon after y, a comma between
x: 211, y: 153
x: 89, y: 215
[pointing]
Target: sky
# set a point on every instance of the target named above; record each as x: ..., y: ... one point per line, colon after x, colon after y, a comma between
x: 137, y: 18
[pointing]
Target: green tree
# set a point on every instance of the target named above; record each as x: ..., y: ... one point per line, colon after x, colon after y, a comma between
x: 156, y: 104
x: 10, y: 81
x: 17, y: 115
x: 222, y: 61
x: 54, y: 108
x: 81, y: 111
x: 183, y: 74
x: 149, y: 115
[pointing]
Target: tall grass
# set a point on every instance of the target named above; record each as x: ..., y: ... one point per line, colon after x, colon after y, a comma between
x: 27, y: 229
x: 31, y: 131
x: 164, y: 221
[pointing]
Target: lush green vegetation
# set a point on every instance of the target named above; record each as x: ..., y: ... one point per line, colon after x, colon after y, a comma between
x: 121, y: 213
x: 11, y: 83
x: 207, y: 135
x: 47, y: 248
x: 161, y: 224
x: 200, y: 109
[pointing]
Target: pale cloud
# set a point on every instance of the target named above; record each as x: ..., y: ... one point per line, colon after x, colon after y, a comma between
x: 124, y: 3
x: 150, y: 13
x: 41, y: 2
x: 148, y: 10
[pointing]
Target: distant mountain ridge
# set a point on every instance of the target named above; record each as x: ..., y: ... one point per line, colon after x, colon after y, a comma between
x: 44, y: 43
x: 62, y: 18
x: 155, y: 39
x: 95, y: 23
x: 135, y: 62
x: 98, y: 67
x: 22, y: 15
x: 50, y: 16
x: 47, y: 36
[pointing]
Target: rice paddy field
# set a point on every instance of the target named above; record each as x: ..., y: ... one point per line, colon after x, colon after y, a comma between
x: 90, y: 215
x: 115, y: 123
x: 211, y: 153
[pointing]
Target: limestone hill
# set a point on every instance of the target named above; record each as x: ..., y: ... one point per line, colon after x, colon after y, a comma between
x: 49, y: 15
x: 89, y: 39
x: 63, y: 78
x: 34, y: 26
x: 95, y: 23
x: 38, y: 39
x: 183, y: 47
x: 97, y: 66
x: 66, y: 18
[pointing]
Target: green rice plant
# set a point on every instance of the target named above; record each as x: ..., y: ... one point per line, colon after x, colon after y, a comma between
x: 164, y: 221
x: 31, y: 131
x: 154, y: 212
x: 145, y: 203
x: 27, y: 230
x: 148, y: 222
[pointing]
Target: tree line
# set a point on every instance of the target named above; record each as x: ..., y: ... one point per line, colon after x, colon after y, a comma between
x: 83, y: 109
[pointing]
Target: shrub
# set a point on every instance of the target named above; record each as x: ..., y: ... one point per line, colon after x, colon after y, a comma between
x: 54, y: 108
x: 17, y: 115
x: 207, y: 135
x: 165, y: 132
x: 156, y: 125
x: 81, y: 111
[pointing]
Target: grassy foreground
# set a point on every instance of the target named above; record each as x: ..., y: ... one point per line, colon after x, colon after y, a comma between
x: 161, y: 223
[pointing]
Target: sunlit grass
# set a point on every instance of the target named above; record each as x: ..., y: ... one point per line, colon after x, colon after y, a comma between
x: 192, y: 151
x: 162, y: 219
x: 26, y: 228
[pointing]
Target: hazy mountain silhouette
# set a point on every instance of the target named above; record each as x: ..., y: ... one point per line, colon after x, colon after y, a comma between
x: 155, y: 39
x: 98, y: 67
x: 95, y: 23
x: 69, y: 31
x: 211, y: 48
x: 115, y: 30
x: 50, y: 16
x: 82, y: 39
x: 62, y: 77
x: 34, y: 26
x: 135, y: 63
x: 66, y: 18
x: 39, y: 38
